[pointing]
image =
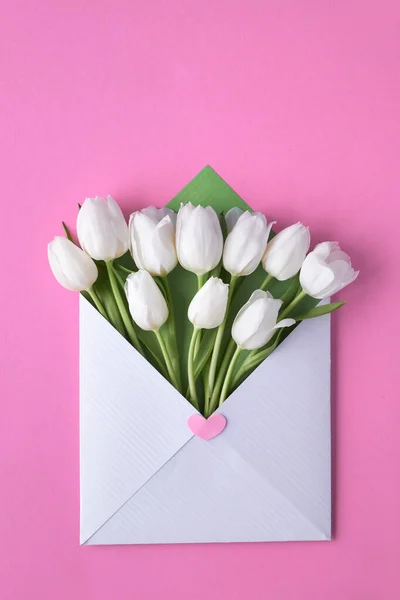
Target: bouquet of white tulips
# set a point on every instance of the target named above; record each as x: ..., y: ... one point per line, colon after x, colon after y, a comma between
x: 253, y: 287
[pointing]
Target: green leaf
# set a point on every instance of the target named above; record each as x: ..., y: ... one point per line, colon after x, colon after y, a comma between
x: 67, y: 232
x: 318, y: 311
x: 103, y: 289
x: 160, y: 283
x: 205, y: 349
x: 203, y: 354
x: 125, y: 263
x: 169, y: 329
x: 123, y: 269
x: 291, y: 292
x: 255, y: 358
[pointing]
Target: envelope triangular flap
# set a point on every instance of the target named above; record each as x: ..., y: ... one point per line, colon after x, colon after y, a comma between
x: 131, y: 420
x: 208, y: 188
x: 265, y: 478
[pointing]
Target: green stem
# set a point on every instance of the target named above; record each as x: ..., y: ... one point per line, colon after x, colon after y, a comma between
x: 252, y: 361
x: 171, y: 336
x: 292, y: 305
x: 228, y: 377
x: 191, y: 378
x: 93, y: 294
x: 265, y: 284
x: 201, y: 279
x: 255, y: 358
x: 218, y: 339
x: 122, y: 268
x: 246, y: 365
x: 206, y: 390
x: 167, y: 359
x: 221, y: 376
x: 119, y: 279
x: 122, y: 308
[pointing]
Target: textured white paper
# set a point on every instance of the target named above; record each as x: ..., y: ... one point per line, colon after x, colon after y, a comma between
x: 146, y: 479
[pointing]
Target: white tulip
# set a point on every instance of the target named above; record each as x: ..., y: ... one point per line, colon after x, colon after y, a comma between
x: 208, y: 307
x: 71, y: 266
x: 102, y: 229
x: 147, y: 305
x: 245, y: 244
x: 231, y: 218
x: 285, y: 253
x: 152, y: 240
x: 256, y: 322
x: 326, y: 270
x: 199, y: 238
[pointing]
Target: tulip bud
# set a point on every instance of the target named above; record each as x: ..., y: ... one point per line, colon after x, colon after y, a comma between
x: 147, y: 305
x: 256, y: 322
x: 152, y: 239
x: 246, y: 244
x: 199, y: 238
x: 208, y: 307
x: 102, y: 229
x: 326, y: 270
x: 71, y: 266
x: 286, y: 251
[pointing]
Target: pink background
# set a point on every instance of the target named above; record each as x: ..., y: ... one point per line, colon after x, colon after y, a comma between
x: 296, y: 104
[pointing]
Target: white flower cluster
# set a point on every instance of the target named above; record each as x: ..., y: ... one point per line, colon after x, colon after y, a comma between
x: 159, y: 239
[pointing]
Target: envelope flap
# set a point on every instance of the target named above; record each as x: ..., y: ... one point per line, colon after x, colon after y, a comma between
x: 208, y: 188
x: 280, y: 421
x: 131, y: 420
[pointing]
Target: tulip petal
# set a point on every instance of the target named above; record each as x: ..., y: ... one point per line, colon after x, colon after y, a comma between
x: 199, y: 240
x: 208, y: 307
x: 285, y: 253
x: 147, y: 305
x: 102, y: 229
x: 315, y: 276
x: 323, y: 250
x: 119, y: 226
x: 342, y: 279
x: 140, y: 222
x: 71, y: 266
x: 164, y: 246
x: 326, y: 270
x: 338, y: 255
x: 246, y: 244
x: 246, y: 326
x: 152, y: 240
x: 285, y: 323
x: 231, y: 218
x: 255, y: 322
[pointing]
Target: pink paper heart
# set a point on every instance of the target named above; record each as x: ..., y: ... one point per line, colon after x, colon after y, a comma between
x: 206, y: 429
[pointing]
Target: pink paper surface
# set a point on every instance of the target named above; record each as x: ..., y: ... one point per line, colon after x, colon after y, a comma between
x: 296, y: 104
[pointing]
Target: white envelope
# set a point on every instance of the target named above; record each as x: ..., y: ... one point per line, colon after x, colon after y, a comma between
x: 145, y: 479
